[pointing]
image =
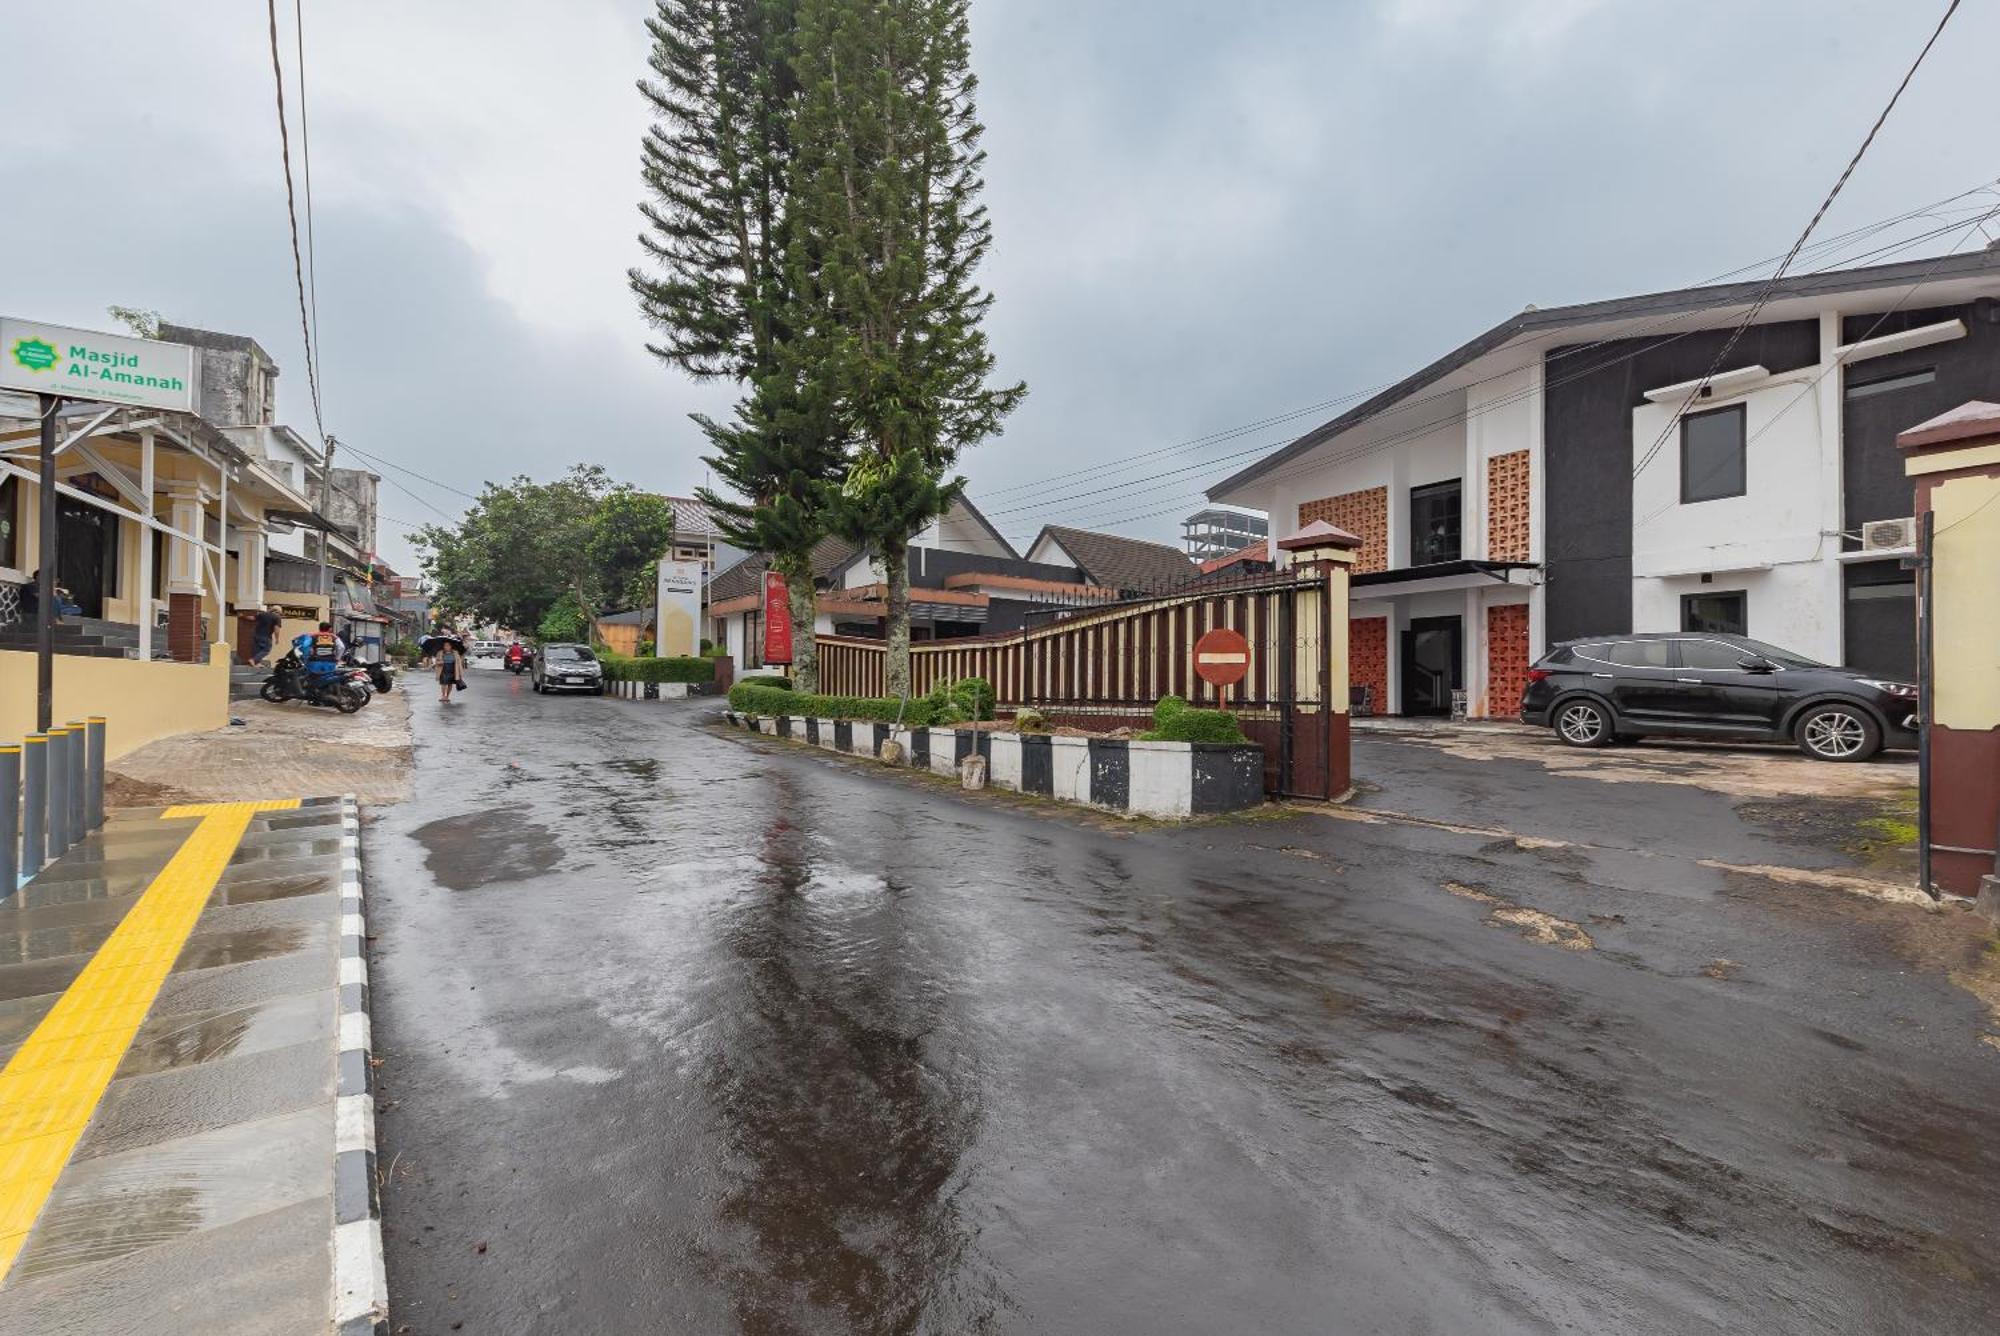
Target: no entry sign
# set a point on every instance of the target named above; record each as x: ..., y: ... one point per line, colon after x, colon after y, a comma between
x: 1222, y: 657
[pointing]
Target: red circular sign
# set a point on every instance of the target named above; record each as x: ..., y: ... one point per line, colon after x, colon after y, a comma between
x: 1222, y: 657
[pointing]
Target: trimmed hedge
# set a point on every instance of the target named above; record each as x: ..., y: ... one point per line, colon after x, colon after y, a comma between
x: 778, y: 683
x: 1174, y: 720
x: 686, y: 668
x: 750, y: 698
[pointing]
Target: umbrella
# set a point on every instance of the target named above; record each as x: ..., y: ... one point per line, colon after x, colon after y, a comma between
x: 430, y: 645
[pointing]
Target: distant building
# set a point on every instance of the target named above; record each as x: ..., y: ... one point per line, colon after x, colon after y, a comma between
x: 1218, y: 531
x: 1132, y: 566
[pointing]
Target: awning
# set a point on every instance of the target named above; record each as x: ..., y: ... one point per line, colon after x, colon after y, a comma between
x: 1443, y: 575
x: 305, y: 519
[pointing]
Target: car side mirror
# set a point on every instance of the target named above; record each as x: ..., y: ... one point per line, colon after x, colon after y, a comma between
x: 1756, y: 663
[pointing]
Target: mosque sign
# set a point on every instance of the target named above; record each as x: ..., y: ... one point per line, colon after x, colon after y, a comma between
x: 38, y: 358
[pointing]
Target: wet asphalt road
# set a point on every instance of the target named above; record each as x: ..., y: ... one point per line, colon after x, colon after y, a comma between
x: 684, y: 1031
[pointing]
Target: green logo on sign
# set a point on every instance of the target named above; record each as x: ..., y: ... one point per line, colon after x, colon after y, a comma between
x: 34, y: 354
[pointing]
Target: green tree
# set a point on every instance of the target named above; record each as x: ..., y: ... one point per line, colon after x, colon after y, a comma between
x: 716, y: 165
x: 887, y: 176
x: 524, y: 547
x: 628, y: 531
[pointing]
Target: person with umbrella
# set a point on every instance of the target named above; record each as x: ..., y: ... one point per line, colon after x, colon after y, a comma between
x: 450, y: 654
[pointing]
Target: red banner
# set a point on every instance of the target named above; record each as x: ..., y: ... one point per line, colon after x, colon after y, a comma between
x: 777, y: 619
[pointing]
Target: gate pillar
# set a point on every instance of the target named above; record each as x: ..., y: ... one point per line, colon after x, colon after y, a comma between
x: 1954, y: 459
x: 1332, y: 549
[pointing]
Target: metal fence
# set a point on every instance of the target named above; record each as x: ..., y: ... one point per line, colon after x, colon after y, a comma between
x: 1109, y: 665
x: 51, y: 796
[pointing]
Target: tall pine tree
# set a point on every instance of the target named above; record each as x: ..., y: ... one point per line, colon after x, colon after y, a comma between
x: 717, y: 167
x: 886, y: 176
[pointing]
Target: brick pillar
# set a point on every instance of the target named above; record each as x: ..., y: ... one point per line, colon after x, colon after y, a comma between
x: 1954, y: 461
x: 184, y: 628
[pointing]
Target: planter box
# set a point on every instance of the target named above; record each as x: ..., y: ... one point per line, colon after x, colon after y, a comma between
x: 1171, y: 780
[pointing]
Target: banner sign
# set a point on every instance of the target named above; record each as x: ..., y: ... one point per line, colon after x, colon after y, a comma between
x: 678, y: 596
x: 108, y: 368
x: 777, y: 619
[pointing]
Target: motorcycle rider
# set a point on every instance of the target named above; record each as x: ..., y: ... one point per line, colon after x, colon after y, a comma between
x: 321, y: 651
x: 517, y: 655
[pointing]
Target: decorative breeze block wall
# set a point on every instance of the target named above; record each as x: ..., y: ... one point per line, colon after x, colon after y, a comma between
x: 1507, y: 499
x: 1506, y: 658
x: 1368, y: 659
x: 1364, y: 514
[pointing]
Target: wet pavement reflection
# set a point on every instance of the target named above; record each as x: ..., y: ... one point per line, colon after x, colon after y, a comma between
x: 683, y: 1031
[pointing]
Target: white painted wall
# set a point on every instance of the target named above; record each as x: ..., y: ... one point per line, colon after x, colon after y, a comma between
x: 1775, y: 541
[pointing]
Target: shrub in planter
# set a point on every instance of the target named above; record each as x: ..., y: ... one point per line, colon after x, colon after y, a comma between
x: 1174, y: 720
x: 969, y: 698
x: 749, y: 698
x: 683, y: 668
x: 1030, y: 721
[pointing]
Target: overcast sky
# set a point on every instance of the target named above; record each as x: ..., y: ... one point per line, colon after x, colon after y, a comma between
x: 1206, y: 214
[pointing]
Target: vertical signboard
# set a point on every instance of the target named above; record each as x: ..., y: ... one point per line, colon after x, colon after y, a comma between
x: 109, y: 368
x: 777, y: 619
x: 679, y: 608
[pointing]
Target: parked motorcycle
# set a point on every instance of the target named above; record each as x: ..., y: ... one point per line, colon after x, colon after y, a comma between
x: 289, y: 680
x: 378, y: 675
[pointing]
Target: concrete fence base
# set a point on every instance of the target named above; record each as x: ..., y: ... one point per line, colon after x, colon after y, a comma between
x: 1157, y: 779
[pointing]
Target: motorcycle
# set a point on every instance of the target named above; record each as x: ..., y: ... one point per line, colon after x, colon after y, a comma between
x: 289, y: 680
x: 377, y: 676
x: 517, y: 666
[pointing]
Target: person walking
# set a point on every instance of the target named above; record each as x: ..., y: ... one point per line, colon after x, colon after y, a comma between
x: 264, y: 633
x: 451, y: 671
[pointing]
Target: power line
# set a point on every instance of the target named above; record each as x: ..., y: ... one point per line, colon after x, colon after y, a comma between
x: 1771, y: 284
x: 1045, y: 487
x: 292, y: 213
x: 1823, y: 249
x: 386, y: 463
x: 306, y: 162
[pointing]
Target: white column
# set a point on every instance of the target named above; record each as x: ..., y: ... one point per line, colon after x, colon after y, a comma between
x: 184, y: 558
x: 250, y: 568
x: 145, y: 600
x: 216, y: 628
x: 1474, y: 641
x: 1832, y: 406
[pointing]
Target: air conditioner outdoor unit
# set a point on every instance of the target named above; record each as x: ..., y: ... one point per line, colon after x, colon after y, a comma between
x: 1888, y: 535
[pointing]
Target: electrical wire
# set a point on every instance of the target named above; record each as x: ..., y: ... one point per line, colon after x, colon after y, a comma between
x: 1771, y: 284
x: 1045, y: 489
x: 306, y: 164
x: 1829, y: 246
x: 421, y: 477
x: 292, y: 212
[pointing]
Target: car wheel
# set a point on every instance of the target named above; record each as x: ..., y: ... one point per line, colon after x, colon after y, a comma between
x: 1583, y: 723
x: 1838, y: 733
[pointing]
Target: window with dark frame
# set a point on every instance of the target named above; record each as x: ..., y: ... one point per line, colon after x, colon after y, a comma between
x: 10, y: 522
x: 1719, y: 613
x: 1712, y: 455
x: 1435, y: 512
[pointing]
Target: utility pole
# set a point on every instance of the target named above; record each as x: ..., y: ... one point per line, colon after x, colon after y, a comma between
x: 325, y: 501
x: 45, y: 585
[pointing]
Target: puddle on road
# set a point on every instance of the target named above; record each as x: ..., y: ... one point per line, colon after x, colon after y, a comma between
x: 479, y: 848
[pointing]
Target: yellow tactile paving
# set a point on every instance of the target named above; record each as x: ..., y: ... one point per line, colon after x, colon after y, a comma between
x: 53, y: 1083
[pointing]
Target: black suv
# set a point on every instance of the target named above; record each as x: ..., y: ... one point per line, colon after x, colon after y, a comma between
x: 1698, y: 684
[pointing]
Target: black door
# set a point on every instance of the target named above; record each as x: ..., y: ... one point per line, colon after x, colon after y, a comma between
x: 86, y: 553
x: 1433, y: 664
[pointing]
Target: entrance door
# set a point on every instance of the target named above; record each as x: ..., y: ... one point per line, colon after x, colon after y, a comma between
x: 86, y: 553
x: 1433, y: 664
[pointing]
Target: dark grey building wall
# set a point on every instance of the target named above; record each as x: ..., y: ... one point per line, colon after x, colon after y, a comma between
x: 1588, y: 396
x: 1872, y: 483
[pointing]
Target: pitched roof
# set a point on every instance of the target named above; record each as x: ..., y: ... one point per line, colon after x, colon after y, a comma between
x: 1257, y: 551
x: 747, y: 575
x: 1131, y: 565
x: 1718, y: 297
x: 692, y: 518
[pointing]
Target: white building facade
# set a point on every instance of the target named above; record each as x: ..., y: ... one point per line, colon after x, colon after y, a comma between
x: 1543, y: 482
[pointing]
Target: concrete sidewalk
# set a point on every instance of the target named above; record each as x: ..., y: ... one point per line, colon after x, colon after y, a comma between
x: 174, y: 1006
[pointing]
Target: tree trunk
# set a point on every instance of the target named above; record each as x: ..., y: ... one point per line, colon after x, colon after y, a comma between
x: 805, y: 647
x: 896, y: 566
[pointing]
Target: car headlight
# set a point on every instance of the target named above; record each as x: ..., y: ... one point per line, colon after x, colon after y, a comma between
x: 1900, y: 690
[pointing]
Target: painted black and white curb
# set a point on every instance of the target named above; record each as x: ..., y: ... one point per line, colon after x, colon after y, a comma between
x: 360, y: 1281
x: 1158, y: 779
